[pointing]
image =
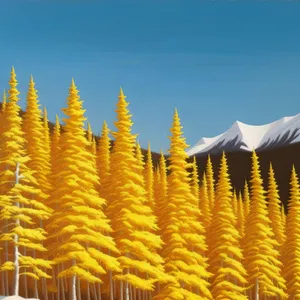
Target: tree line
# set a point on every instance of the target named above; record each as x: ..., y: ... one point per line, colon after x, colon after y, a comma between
x: 82, y: 219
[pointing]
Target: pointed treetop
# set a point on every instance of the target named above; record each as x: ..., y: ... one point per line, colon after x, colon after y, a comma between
x: 13, y: 70
x: 56, y: 119
x: 89, y: 128
x: 73, y: 83
x: 122, y: 96
x: 45, y: 112
x: 149, y: 148
x: 31, y: 79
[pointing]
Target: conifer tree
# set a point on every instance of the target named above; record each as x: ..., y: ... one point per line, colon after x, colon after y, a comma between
x: 161, y: 199
x: 283, y: 218
x: 292, y: 246
x: 234, y: 203
x: 225, y: 252
x: 79, y: 227
x: 275, y: 208
x: 204, y: 203
x: 240, y: 216
x: 195, y: 179
x: 2, y: 111
x: 18, y: 188
x: 184, y: 235
x: 261, y: 256
x: 149, y: 178
x: 103, y: 160
x: 132, y: 219
x: 210, y: 182
x: 246, y: 198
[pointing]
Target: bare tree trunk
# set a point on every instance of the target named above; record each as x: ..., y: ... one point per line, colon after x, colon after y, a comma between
x: 16, y: 240
x: 74, y: 288
x: 130, y: 292
x: 25, y: 277
x: 78, y: 289
x: 256, y: 289
x: 94, y: 291
x: 62, y: 282
x: 58, y: 284
x: 2, y: 279
x: 121, y: 290
x: 88, y: 291
x: 6, y: 259
x: 111, y: 286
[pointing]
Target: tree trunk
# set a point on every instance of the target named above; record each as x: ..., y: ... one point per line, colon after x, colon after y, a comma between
x: 111, y: 287
x: 121, y: 290
x: 6, y: 259
x: 2, y: 279
x: 78, y: 289
x: 95, y: 292
x: 74, y: 288
x: 256, y: 289
x: 88, y: 291
x: 16, y: 240
x: 25, y: 277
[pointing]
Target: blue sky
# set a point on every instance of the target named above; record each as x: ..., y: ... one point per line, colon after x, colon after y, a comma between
x: 215, y: 61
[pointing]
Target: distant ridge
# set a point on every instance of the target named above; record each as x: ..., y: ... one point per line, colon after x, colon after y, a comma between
x: 244, y: 137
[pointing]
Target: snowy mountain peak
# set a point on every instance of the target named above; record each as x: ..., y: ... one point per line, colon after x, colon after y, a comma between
x: 245, y: 137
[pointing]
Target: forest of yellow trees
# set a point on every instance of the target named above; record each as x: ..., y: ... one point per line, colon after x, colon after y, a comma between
x: 80, y: 219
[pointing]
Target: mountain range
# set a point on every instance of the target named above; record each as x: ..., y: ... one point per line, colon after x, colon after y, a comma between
x: 244, y: 137
x: 277, y: 143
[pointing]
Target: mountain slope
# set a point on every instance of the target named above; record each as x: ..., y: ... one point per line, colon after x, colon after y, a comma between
x: 244, y: 137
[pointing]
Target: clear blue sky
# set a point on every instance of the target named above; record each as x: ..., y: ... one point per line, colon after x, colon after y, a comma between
x: 215, y: 61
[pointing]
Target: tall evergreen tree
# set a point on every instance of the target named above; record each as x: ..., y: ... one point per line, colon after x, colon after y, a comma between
x: 204, y: 203
x: 79, y: 227
x: 261, y: 256
x: 103, y: 160
x: 18, y: 188
x: 292, y: 246
x: 210, y: 182
x: 149, y: 178
x: 132, y: 219
x: 240, y: 216
x: 184, y: 235
x: 246, y: 198
x: 275, y: 208
x: 225, y: 252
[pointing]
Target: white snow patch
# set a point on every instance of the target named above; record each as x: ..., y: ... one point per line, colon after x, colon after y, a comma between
x: 253, y: 136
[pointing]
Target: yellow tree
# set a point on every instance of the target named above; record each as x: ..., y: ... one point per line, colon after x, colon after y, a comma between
x: 162, y: 190
x: 246, y: 198
x: 132, y: 219
x: 283, y: 218
x: 261, y: 256
x: 292, y: 245
x: 225, y: 253
x: 18, y: 188
x: 195, y: 179
x: 78, y: 228
x: 234, y: 203
x: 240, y: 215
x: 149, y: 178
x: 2, y: 111
x: 210, y: 182
x: 204, y: 203
x: 38, y: 148
x: 55, y: 148
x: 184, y: 235
x: 275, y: 208
x: 103, y: 160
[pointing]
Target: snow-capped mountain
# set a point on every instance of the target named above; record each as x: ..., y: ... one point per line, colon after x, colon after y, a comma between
x: 244, y: 137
